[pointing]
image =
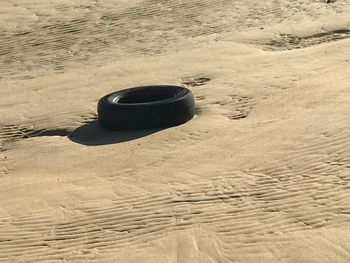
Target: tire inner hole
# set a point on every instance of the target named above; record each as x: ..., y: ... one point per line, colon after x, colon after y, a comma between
x: 144, y: 97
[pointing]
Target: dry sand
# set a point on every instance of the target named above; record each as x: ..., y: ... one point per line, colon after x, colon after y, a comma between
x: 261, y: 174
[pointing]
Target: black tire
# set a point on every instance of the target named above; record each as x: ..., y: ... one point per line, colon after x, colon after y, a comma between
x: 147, y: 107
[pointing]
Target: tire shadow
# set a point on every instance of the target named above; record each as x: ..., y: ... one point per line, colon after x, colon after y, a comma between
x: 92, y: 134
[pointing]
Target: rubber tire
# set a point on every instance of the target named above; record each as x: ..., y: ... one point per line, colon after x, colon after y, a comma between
x: 146, y: 107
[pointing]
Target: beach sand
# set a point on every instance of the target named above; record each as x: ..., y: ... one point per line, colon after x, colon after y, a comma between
x: 261, y: 174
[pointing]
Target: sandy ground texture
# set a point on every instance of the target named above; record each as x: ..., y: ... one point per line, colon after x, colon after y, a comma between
x: 261, y: 174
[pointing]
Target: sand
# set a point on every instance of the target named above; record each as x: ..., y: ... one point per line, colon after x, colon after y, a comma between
x: 261, y: 174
